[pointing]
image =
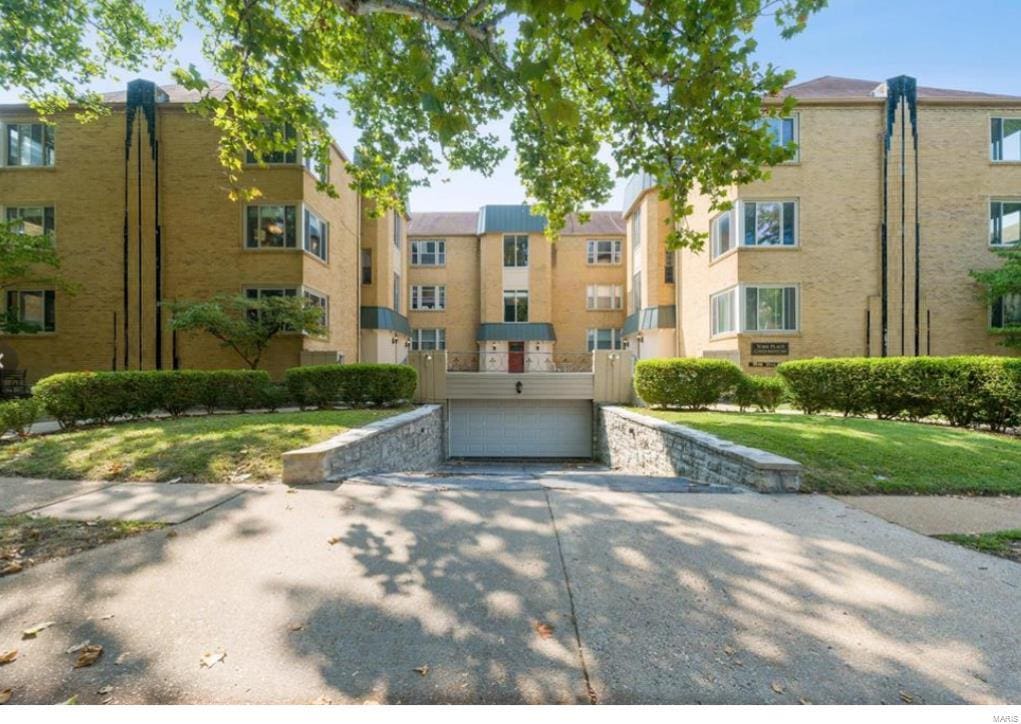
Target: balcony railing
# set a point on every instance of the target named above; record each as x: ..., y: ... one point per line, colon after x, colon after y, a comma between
x: 521, y: 362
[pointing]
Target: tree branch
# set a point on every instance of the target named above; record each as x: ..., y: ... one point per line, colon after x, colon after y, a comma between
x: 420, y: 11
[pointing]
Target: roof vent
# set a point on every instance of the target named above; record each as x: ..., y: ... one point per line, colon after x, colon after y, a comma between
x: 879, y: 91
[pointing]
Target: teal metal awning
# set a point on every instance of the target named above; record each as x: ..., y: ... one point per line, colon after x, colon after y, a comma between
x: 385, y: 318
x: 663, y: 317
x: 516, y: 332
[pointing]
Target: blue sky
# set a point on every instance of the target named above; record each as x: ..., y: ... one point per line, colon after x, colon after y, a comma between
x: 943, y: 43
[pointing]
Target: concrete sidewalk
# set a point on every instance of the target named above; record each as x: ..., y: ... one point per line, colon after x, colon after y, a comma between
x: 942, y: 514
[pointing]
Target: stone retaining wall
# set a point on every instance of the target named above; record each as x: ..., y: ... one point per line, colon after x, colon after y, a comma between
x: 407, y: 442
x: 645, y: 445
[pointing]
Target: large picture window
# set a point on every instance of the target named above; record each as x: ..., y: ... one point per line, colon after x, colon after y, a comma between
x: 770, y: 309
x: 1005, y: 144
x: 427, y: 339
x: 515, y: 250
x: 317, y: 236
x: 605, y: 296
x: 1006, y: 312
x: 604, y: 339
x: 723, y: 310
x: 770, y: 223
x: 603, y: 251
x: 260, y: 293
x: 515, y: 305
x: 35, y: 310
x: 30, y: 220
x: 28, y: 144
x: 428, y: 298
x: 1004, y: 222
x: 271, y: 226
x: 428, y: 252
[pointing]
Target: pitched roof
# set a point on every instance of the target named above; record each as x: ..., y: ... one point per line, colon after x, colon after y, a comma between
x: 829, y: 87
x: 509, y: 218
x: 175, y: 93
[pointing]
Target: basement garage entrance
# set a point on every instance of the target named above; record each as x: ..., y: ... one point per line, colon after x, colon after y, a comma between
x: 528, y: 428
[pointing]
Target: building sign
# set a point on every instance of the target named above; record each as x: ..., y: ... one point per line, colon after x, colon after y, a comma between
x: 771, y: 348
x: 763, y: 364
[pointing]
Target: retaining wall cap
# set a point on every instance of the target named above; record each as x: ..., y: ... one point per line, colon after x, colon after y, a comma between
x: 761, y: 459
x: 349, y: 437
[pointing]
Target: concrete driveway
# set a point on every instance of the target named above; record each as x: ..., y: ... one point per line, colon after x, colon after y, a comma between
x: 402, y: 593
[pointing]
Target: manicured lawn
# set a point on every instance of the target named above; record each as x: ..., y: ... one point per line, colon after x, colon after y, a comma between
x: 214, y: 449
x: 1005, y: 543
x: 855, y: 455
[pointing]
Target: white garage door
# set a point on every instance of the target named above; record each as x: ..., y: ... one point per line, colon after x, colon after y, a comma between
x: 521, y: 428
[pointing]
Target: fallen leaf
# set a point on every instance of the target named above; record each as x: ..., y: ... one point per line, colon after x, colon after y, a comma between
x: 105, y: 690
x: 70, y: 702
x: 777, y: 687
x: 333, y: 541
x: 729, y: 650
x: 171, y: 534
x: 11, y: 568
x: 33, y: 631
x: 7, y: 657
x: 422, y: 670
x: 5, y: 696
x: 208, y: 661
x: 291, y: 490
x: 907, y: 698
x: 545, y: 630
x: 805, y: 701
x: 121, y: 658
x: 88, y: 656
x: 78, y: 647
x: 107, y: 617
x: 296, y: 627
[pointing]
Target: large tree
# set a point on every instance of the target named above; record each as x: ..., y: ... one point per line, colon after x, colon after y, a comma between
x: 671, y: 87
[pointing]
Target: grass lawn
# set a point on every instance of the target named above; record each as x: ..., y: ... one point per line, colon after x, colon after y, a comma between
x: 25, y: 541
x: 855, y: 455
x: 1005, y: 543
x: 213, y: 449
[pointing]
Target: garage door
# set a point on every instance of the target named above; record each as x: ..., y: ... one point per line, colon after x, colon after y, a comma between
x: 521, y: 428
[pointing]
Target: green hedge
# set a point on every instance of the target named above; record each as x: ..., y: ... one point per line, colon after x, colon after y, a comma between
x: 353, y: 384
x: 964, y: 390
x: 764, y: 393
x: 17, y: 416
x: 684, y: 382
x: 75, y: 397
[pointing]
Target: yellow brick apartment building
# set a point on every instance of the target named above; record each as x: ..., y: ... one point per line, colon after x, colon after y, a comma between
x: 860, y: 245
x: 138, y: 207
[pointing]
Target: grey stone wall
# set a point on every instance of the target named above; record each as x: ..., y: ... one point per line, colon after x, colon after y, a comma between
x: 406, y: 442
x: 644, y: 445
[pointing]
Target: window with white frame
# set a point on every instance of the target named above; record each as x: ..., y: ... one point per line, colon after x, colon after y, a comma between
x: 317, y: 236
x: 259, y: 294
x: 271, y: 226
x: 32, y: 310
x: 515, y: 250
x: 605, y: 296
x: 723, y: 312
x: 783, y: 130
x: 770, y: 309
x: 321, y: 302
x: 1004, y: 222
x: 426, y: 339
x: 428, y: 297
x: 605, y: 339
x: 1005, y: 144
x: 603, y: 251
x: 28, y: 144
x: 769, y: 223
x: 428, y: 252
x: 285, y: 136
x: 515, y: 305
x: 721, y: 233
x: 1005, y: 312
x: 310, y: 161
x: 30, y: 220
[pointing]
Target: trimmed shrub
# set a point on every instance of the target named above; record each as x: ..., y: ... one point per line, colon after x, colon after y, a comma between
x: 273, y: 396
x: 684, y: 382
x: 353, y: 384
x: 763, y: 393
x: 17, y: 416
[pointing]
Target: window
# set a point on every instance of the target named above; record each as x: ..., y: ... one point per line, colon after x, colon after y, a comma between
x: 317, y: 235
x: 35, y: 310
x: 605, y: 296
x: 636, y: 228
x: 668, y: 267
x: 429, y: 298
x: 28, y: 144
x: 31, y: 220
x: 1004, y: 222
x: 604, y: 339
x: 318, y: 171
x: 636, y: 292
x: 769, y: 223
x: 428, y: 252
x: 515, y: 250
x: 783, y: 130
x: 271, y: 227
x: 366, y: 266
x: 428, y: 339
x: 1006, y: 139
x: 1006, y: 312
x: 397, y: 292
x: 278, y: 157
x: 397, y: 230
x: 260, y: 293
x: 321, y: 301
x: 722, y: 309
x: 604, y: 251
x: 515, y: 305
x: 770, y: 309
x: 722, y: 239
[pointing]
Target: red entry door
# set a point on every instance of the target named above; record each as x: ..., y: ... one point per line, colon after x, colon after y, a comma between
x: 516, y: 357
